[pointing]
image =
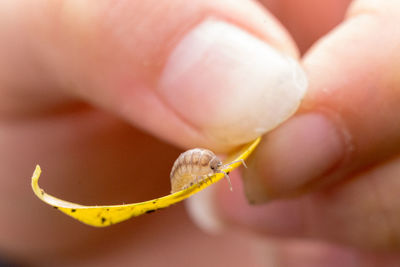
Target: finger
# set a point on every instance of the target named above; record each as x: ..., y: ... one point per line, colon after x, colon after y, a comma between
x: 188, y: 72
x: 346, y: 127
x: 348, y: 120
x: 363, y: 212
x: 114, y: 55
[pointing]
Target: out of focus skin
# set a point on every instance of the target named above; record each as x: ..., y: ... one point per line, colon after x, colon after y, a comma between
x: 75, y: 78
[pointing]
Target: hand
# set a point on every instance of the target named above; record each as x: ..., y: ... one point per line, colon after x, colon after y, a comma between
x: 76, y: 75
x: 331, y: 173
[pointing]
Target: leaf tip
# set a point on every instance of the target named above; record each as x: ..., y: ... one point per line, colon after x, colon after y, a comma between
x: 36, y: 173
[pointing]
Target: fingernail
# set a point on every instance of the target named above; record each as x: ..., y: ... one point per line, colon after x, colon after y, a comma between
x: 302, y: 150
x: 279, y: 218
x: 203, y: 207
x: 229, y: 84
x: 217, y: 210
x: 202, y: 210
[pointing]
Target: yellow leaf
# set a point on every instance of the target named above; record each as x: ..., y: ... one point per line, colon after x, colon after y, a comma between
x: 101, y: 216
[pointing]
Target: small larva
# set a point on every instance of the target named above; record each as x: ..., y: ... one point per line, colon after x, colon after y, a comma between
x: 195, y: 165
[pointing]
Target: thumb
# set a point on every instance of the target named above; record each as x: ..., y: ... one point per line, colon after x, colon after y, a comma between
x: 195, y: 73
x: 334, y: 166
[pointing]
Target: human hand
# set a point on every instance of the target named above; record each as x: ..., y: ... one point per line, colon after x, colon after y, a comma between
x: 331, y: 173
x: 110, y: 55
x: 76, y: 75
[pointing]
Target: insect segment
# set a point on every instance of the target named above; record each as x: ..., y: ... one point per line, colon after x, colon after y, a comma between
x: 194, y: 166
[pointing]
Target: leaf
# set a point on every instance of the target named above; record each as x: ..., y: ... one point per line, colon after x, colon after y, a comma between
x: 101, y: 216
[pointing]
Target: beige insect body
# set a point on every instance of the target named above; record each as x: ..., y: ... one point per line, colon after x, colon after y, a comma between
x: 194, y: 166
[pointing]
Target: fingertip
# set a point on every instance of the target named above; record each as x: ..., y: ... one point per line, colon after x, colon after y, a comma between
x: 220, y: 79
x: 230, y: 85
x: 294, y: 157
x: 214, y: 74
x: 203, y: 211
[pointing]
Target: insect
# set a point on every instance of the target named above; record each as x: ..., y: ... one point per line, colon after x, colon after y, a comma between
x: 194, y: 166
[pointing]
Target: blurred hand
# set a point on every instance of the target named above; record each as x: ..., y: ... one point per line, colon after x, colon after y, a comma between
x: 76, y: 75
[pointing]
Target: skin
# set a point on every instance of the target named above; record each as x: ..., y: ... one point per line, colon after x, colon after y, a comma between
x: 74, y: 78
